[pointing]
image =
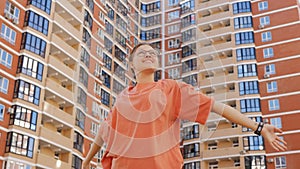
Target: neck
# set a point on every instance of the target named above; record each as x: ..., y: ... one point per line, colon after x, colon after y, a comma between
x: 145, y: 77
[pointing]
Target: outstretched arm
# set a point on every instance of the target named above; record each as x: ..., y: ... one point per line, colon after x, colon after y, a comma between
x: 268, y: 131
x: 94, y: 149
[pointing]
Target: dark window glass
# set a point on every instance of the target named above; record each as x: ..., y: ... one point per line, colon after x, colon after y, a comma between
x: 241, y: 7
x: 245, y: 54
x: 37, y: 22
x: 80, y: 119
x: 23, y: 117
x: 33, y: 44
x: 250, y: 87
x: 244, y: 38
x: 250, y: 105
x: 78, y: 141
x: 247, y: 70
x: 76, y: 162
x: 19, y: 144
x: 30, y: 67
x: 44, y: 5
x: 27, y: 91
x: 243, y: 22
x: 105, y: 97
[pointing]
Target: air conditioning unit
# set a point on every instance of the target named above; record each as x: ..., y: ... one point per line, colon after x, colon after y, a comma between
x: 10, y: 110
x: 261, y: 26
x: 270, y: 160
x: 15, y: 21
x: 266, y: 76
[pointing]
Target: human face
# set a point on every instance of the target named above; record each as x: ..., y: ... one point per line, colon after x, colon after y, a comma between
x: 145, y: 58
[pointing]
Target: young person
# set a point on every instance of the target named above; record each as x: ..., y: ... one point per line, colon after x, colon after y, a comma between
x: 143, y: 128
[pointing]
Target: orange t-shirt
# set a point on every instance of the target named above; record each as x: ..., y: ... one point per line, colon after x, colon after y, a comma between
x: 143, y: 129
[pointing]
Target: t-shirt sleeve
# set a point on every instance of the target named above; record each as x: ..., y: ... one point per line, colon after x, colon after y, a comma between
x: 190, y: 104
x: 104, y: 128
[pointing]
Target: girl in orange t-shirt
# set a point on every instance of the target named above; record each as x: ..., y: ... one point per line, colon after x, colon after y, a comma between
x: 143, y: 128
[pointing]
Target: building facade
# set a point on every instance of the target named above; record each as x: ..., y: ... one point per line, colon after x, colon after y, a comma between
x: 64, y: 62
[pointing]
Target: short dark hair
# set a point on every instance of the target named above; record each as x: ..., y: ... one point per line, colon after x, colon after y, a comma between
x: 135, y: 48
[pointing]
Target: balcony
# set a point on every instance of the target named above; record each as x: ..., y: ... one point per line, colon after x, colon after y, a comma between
x: 49, y: 161
x: 54, y: 137
x: 65, y: 24
x: 214, y: 32
x: 209, y: 3
x: 58, y: 64
x: 220, y: 133
x: 217, y: 63
x: 216, y: 47
x: 218, y: 79
x: 213, y: 17
x: 225, y: 96
x: 63, y: 46
x: 220, y: 152
x: 58, y: 113
x: 59, y: 90
x: 67, y: 6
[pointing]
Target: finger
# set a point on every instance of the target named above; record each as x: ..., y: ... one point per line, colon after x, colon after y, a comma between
x: 278, y: 130
x: 280, y: 146
x: 274, y: 146
x: 279, y: 139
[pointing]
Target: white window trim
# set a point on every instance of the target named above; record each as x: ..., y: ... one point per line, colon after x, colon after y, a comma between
x: 2, y: 113
x: 264, y: 20
x: 2, y: 87
x: 9, y: 38
x: 267, y: 52
x: 274, y: 103
x: 263, y: 5
x: 266, y: 36
x: 5, y: 62
x: 271, y: 71
x: 274, y: 87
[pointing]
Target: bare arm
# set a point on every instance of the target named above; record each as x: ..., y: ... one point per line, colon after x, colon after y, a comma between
x: 94, y: 149
x: 268, y: 131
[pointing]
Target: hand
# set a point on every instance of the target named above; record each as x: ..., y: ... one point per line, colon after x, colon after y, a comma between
x: 268, y: 132
x: 85, y: 165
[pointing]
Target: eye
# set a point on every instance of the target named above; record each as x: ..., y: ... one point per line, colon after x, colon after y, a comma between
x: 141, y: 54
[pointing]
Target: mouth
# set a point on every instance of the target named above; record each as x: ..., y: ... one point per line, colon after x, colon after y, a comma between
x: 148, y: 61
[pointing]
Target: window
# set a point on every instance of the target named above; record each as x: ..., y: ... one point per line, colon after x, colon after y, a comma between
x: 263, y: 5
x: 187, y: 6
x: 108, y: 44
x: 30, y: 67
x: 5, y: 58
x: 106, y: 77
x: 173, y: 43
x: 250, y: 105
x: 270, y: 69
x: 255, y: 162
x: 78, y: 141
x: 276, y: 122
x: 243, y: 22
x: 191, y: 132
x: 16, y: 165
x: 12, y: 12
x: 272, y: 87
x: 253, y: 143
x: 85, y: 57
x: 189, y: 65
x: 41, y: 4
x: 244, y: 38
x: 173, y: 58
x: 33, y: 44
x: 264, y: 20
x: 213, y: 165
x: 189, y: 50
x: 4, y: 85
x: 152, y: 7
x: 37, y: 22
x: 245, y: 54
x: 192, y: 80
x: 266, y: 36
x: 90, y: 4
x: 150, y: 34
x: 173, y: 73
x: 151, y: 21
x: 81, y: 98
x: 117, y: 87
x: 173, y: 2
x: 8, y: 34
x: 241, y: 7
x: 19, y: 144
x: 188, y: 20
x: 76, y: 162
x: 2, y: 110
x: 105, y: 97
x: 173, y: 28
x: 173, y: 15
x: 83, y: 77
x: 94, y: 128
x: 96, y: 109
x: 192, y: 165
x: 247, y: 70
x: 80, y: 119
x: 86, y: 38
x: 189, y: 35
x: 97, y: 89
x: 23, y: 117
x: 274, y: 104
x: 107, y: 61
x: 250, y: 87
x: 255, y: 119
x: 191, y: 150
x: 27, y: 92
x: 212, y: 146
x: 280, y: 162
x: 268, y: 52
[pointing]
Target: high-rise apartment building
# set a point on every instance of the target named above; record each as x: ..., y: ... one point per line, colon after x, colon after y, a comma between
x: 63, y: 62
